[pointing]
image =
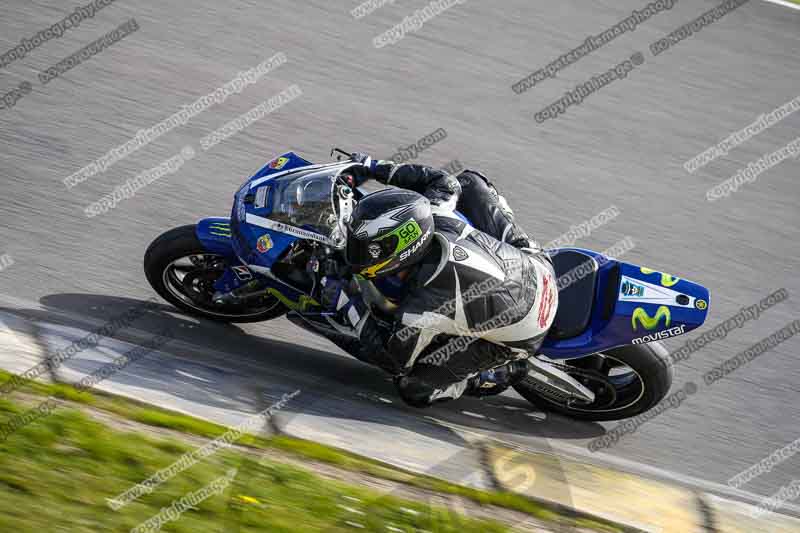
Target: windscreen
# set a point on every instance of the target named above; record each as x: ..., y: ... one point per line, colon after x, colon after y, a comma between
x: 304, y: 202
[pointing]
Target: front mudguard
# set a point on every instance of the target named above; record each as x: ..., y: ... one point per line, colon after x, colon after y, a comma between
x: 214, y: 233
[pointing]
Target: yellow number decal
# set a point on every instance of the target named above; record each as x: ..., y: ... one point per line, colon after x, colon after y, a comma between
x: 666, y: 279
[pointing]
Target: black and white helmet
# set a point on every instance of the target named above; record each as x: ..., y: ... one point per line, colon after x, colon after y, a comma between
x: 389, y: 231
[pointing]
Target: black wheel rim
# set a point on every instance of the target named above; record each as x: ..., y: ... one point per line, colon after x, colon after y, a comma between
x: 191, y: 279
x: 616, y: 385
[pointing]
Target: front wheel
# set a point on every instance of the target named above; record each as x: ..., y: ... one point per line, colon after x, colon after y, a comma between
x: 182, y: 272
x: 626, y: 381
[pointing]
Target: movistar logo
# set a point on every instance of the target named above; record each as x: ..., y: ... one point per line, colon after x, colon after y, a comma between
x: 640, y: 316
x: 663, y: 334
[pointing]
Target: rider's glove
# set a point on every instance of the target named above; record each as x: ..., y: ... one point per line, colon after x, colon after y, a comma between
x: 332, y: 287
x: 352, y: 312
x: 364, y: 159
x: 343, y: 299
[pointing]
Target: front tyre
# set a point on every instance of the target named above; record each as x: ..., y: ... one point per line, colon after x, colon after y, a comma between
x: 626, y: 381
x: 183, y: 273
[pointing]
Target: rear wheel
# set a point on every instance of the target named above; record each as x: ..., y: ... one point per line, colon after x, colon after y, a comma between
x: 182, y: 272
x: 626, y: 381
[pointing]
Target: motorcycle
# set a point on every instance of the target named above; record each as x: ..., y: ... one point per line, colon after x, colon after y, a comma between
x: 600, y: 361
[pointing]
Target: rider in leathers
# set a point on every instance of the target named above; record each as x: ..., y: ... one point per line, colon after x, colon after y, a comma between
x: 473, y: 306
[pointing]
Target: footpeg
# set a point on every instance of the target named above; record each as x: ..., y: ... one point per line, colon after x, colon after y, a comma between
x: 496, y: 380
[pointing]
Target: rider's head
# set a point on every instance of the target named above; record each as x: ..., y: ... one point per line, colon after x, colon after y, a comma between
x: 389, y: 231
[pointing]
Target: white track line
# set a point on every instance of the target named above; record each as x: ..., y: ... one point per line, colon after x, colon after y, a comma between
x: 784, y: 3
x: 600, y: 458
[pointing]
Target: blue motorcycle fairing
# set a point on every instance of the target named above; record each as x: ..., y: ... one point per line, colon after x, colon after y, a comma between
x: 282, y: 163
x: 263, y: 197
x: 640, y: 306
x: 462, y: 217
x: 274, y: 243
x: 632, y: 305
x: 250, y: 249
x: 215, y: 235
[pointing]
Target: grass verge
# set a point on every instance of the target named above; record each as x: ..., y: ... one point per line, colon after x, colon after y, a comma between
x: 120, y: 460
x: 56, y: 473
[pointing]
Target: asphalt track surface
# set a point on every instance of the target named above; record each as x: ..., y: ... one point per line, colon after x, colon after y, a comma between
x: 624, y: 145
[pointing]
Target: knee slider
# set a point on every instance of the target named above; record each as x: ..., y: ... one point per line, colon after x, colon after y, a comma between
x: 414, y: 391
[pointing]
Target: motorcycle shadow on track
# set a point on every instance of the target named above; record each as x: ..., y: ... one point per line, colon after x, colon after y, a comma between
x: 241, y: 369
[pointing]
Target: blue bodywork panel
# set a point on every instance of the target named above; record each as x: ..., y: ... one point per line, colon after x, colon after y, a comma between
x: 641, y: 306
x: 632, y: 304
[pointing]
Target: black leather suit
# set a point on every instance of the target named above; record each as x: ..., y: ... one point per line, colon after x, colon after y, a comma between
x: 484, y: 294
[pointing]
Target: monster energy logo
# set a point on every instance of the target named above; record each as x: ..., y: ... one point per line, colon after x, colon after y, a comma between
x: 222, y: 229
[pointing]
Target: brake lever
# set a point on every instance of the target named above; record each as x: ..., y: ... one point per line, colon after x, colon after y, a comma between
x: 340, y: 151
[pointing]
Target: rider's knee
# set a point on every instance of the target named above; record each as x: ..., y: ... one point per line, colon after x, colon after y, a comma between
x: 414, y: 391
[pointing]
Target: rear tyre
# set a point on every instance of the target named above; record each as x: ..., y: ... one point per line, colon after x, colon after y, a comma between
x: 627, y: 381
x: 183, y: 273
